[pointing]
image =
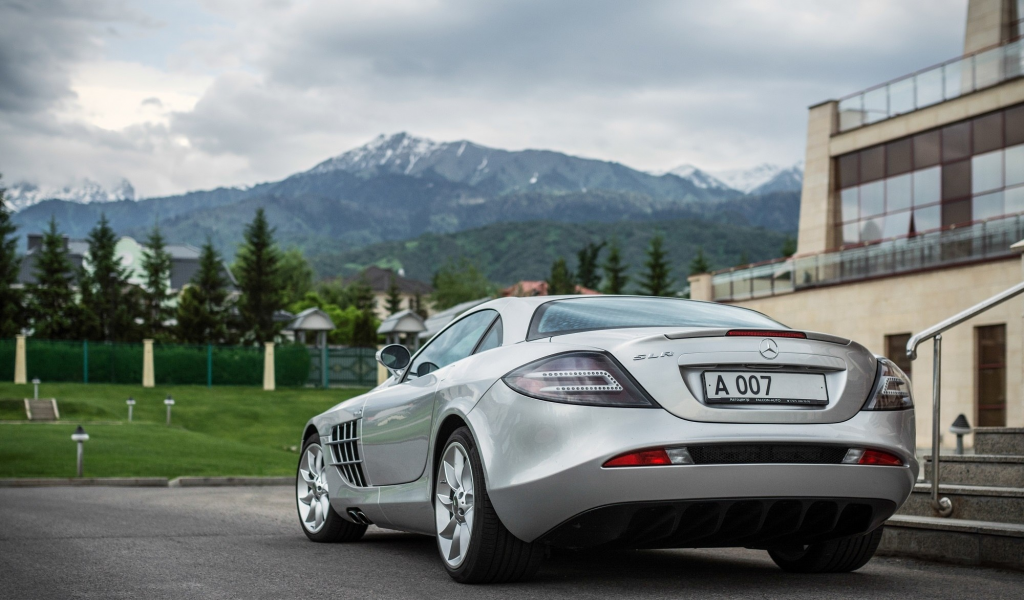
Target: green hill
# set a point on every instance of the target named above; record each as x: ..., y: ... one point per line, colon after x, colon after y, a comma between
x: 509, y: 252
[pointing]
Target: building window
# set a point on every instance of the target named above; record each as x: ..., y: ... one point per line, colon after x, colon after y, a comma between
x: 991, y: 377
x: 896, y: 351
x: 967, y: 171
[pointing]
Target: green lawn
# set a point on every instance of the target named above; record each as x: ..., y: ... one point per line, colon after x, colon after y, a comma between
x: 214, y: 431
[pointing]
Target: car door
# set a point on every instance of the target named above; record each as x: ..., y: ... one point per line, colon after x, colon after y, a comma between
x: 396, y: 421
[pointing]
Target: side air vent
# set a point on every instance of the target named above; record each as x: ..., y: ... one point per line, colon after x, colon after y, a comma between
x: 345, y: 452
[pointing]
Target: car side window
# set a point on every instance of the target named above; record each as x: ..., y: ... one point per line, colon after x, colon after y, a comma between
x: 455, y: 343
x: 492, y: 339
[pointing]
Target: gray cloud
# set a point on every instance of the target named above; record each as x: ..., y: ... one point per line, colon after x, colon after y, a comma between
x: 651, y: 84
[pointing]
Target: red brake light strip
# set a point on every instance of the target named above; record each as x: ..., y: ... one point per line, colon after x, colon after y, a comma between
x: 766, y: 333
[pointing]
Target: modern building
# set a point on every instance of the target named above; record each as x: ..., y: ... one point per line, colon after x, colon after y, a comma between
x: 913, y: 195
x: 184, y: 260
x: 410, y: 290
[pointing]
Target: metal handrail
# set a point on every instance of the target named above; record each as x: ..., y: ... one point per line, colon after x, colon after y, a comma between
x: 944, y: 506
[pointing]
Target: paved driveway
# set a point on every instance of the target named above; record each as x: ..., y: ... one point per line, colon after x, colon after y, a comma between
x: 246, y: 543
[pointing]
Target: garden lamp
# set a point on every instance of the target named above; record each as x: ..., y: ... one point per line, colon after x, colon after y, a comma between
x: 80, y: 436
x: 131, y: 404
x: 169, y: 402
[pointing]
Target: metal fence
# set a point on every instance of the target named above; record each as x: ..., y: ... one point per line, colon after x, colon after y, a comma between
x: 181, y: 364
x: 933, y: 85
x: 345, y: 366
x: 978, y: 241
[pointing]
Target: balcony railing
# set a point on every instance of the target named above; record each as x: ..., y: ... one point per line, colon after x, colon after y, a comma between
x: 977, y: 241
x: 933, y: 85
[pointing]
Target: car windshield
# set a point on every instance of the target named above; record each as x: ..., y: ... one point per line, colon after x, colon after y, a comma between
x: 586, y: 314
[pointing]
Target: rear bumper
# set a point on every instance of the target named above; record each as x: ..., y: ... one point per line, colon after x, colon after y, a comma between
x: 747, y: 522
x: 542, y: 461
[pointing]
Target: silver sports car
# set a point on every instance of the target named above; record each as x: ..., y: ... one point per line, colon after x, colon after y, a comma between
x: 620, y: 422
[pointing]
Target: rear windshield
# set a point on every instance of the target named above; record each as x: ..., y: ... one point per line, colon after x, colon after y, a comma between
x: 586, y: 314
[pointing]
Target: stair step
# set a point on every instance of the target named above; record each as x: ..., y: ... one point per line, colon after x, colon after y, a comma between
x: 999, y: 440
x: 978, y: 469
x: 955, y: 540
x: 971, y: 502
x: 42, y: 409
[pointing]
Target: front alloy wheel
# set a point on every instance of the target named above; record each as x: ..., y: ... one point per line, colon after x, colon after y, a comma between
x: 319, y: 521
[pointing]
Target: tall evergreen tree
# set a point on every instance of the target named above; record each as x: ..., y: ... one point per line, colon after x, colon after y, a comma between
x: 113, y: 302
x: 203, y: 305
x: 394, y: 296
x: 457, y: 281
x: 156, y: 267
x: 615, y: 277
x: 699, y: 264
x: 259, y: 279
x: 561, y: 280
x: 657, y: 279
x: 53, y: 308
x: 586, y: 268
x: 11, y: 299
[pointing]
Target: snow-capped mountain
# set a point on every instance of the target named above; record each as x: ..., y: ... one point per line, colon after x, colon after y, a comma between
x: 699, y: 178
x: 23, y: 194
x: 762, y: 179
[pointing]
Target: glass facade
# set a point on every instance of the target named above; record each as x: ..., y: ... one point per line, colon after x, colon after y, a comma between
x: 964, y: 172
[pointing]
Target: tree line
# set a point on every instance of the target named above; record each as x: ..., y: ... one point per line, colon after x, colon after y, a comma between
x: 99, y: 300
x: 611, y: 276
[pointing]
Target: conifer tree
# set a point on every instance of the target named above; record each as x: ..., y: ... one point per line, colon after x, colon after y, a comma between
x: 699, y: 264
x: 788, y: 246
x: 394, y: 296
x: 586, y: 268
x: 203, y: 305
x: 364, y: 328
x: 657, y: 279
x: 561, y: 280
x: 113, y: 302
x: 53, y: 308
x: 156, y: 268
x: 11, y: 298
x: 615, y: 277
x: 259, y: 279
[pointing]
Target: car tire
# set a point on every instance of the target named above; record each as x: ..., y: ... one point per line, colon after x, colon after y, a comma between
x: 836, y: 556
x: 493, y: 555
x: 312, y: 495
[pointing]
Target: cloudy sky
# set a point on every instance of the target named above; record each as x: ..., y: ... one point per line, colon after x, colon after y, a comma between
x: 188, y: 94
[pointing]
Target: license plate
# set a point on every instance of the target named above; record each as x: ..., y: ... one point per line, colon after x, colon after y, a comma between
x: 749, y: 387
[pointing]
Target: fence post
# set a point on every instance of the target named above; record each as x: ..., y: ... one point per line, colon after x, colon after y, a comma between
x: 20, y: 370
x: 147, y: 364
x: 85, y: 361
x: 209, y: 365
x: 324, y: 360
x: 268, y: 367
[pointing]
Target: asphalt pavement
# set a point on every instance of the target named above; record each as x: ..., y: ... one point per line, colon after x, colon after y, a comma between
x: 245, y: 542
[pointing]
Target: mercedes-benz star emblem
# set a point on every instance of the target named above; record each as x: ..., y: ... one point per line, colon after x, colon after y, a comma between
x: 769, y: 349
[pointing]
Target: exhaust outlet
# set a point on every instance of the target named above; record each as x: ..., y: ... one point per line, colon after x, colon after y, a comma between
x: 358, y: 516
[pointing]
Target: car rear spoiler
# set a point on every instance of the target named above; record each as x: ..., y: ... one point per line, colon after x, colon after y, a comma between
x: 723, y: 332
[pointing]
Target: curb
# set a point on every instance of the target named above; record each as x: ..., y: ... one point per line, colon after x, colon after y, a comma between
x: 229, y: 481
x: 85, y: 482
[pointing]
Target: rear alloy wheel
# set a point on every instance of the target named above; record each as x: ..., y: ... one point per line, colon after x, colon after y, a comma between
x: 319, y: 521
x: 836, y: 556
x: 475, y: 546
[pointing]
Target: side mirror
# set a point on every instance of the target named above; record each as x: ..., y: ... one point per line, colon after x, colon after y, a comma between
x: 394, y: 357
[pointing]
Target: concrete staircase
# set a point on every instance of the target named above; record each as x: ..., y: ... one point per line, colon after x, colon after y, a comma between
x: 42, y: 409
x: 987, y: 491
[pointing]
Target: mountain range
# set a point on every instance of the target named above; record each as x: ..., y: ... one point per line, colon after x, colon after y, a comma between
x: 398, y: 187
x: 23, y: 194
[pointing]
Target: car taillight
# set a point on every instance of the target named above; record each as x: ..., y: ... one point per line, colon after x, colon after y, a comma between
x: 862, y: 456
x: 892, y: 389
x: 652, y: 457
x: 591, y: 378
x: 765, y: 333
